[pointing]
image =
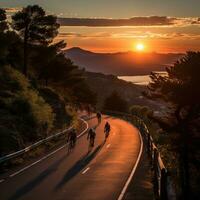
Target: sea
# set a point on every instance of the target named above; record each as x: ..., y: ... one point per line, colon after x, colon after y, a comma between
x: 140, y: 79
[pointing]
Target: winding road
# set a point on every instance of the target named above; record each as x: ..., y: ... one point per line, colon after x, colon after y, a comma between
x: 100, y: 174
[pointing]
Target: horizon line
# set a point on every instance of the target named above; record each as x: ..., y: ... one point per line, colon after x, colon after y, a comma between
x: 127, y: 51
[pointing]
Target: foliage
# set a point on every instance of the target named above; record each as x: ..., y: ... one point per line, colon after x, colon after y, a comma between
x: 84, y: 96
x: 115, y: 102
x: 181, y: 89
x: 55, y: 70
x: 34, y: 25
x: 61, y: 74
x: 10, y: 41
x: 28, y: 110
x: 3, y: 22
x: 141, y: 111
x: 24, y: 115
x: 62, y: 116
x: 34, y: 28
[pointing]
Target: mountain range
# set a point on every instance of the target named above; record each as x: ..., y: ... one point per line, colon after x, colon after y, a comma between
x: 121, y: 63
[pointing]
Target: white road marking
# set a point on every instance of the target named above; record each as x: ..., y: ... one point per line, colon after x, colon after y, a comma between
x: 43, y: 158
x: 108, y: 146
x: 2, y: 180
x: 86, y: 170
x: 23, y: 169
x: 121, y: 196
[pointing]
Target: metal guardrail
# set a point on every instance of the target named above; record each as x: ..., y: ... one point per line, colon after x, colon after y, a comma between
x: 163, y: 189
x: 33, y: 146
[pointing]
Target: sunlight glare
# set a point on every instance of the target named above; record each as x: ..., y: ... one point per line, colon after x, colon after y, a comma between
x: 139, y: 47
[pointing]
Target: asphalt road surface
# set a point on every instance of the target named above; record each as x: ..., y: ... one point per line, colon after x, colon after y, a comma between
x: 97, y: 174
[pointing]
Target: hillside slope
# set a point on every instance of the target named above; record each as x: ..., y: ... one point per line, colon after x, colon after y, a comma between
x: 104, y: 85
x: 124, y: 63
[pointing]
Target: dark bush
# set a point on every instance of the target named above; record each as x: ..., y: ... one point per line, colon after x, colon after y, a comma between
x: 115, y: 102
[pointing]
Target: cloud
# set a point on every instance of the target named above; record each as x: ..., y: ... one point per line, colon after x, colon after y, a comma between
x: 197, y: 21
x: 64, y: 35
x: 134, y: 21
x: 131, y: 35
x: 186, y: 21
x: 69, y: 34
x: 12, y: 10
x: 153, y: 35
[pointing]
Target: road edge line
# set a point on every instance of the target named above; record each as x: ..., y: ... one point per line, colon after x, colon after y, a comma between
x: 50, y: 154
x: 121, y: 196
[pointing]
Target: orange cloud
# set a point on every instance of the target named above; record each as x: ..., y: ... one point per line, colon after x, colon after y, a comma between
x: 12, y: 10
x: 131, y: 35
x: 134, y: 21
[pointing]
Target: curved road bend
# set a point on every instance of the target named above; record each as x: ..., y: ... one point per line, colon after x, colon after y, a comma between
x: 98, y: 175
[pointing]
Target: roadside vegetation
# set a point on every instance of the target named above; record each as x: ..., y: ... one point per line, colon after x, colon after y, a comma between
x: 115, y: 102
x: 177, y: 132
x: 41, y: 90
x: 40, y: 87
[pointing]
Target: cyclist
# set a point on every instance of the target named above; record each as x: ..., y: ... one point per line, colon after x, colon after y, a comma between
x: 89, y: 110
x: 72, y: 136
x: 107, y: 130
x: 99, y: 117
x: 91, y: 136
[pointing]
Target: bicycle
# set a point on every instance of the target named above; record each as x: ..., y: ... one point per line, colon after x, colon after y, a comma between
x: 71, y: 145
x: 107, y: 133
x: 91, y: 136
x: 107, y: 130
x: 71, y: 140
x: 98, y: 117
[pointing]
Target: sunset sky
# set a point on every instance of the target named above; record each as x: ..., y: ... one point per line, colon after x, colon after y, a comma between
x: 120, y: 25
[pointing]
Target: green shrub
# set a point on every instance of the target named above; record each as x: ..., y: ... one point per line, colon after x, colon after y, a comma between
x: 24, y: 115
x: 142, y: 112
x: 63, y: 116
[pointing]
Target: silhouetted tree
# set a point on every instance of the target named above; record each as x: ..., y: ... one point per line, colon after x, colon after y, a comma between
x: 35, y: 28
x: 84, y: 96
x: 43, y: 68
x: 115, y: 102
x: 56, y: 69
x: 8, y: 39
x: 3, y: 27
x: 181, y: 89
x: 3, y: 22
x: 142, y: 112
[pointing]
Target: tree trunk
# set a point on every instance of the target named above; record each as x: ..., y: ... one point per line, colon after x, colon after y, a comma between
x: 46, y: 82
x: 183, y: 155
x: 25, y: 51
x: 184, y: 166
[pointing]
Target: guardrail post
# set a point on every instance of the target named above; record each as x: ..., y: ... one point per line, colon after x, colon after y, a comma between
x: 160, y: 176
x: 155, y: 168
x: 148, y: 143
x: 163, y: 185
x: 151, y: 152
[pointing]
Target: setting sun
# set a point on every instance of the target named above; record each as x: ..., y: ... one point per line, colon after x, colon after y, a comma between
x: 139, y: 47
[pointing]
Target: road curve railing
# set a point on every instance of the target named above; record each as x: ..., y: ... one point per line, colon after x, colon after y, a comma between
x: 33, y: 146
x: 16, y: 154
x: 163, y: 188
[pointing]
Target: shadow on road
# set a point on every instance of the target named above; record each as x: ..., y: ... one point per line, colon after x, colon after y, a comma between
x: 51, y: 169
x: 41, y: 177
x: 79, y: 165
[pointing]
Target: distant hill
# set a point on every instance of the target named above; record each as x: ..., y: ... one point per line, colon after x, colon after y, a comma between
x: 104, y: 85
x: 122, y: 63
